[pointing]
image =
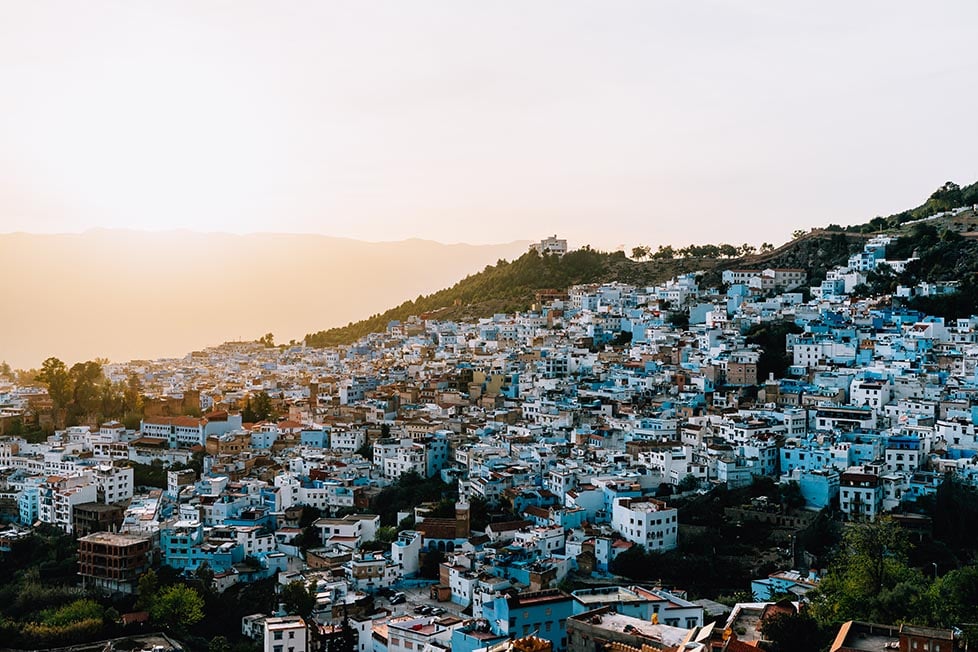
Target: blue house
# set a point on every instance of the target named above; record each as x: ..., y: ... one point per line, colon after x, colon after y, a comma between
x: 783, y: 582
x: 541, y: 613
x: 184, y: 548
x: 475, y: 637
x: 818, y: 487
x: 318, y: 438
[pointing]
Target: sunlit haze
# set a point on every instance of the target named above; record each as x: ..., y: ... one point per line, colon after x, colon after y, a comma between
x: 606, y: 122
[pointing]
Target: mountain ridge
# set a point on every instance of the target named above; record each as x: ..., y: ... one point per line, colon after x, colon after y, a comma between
x: 816, y: 251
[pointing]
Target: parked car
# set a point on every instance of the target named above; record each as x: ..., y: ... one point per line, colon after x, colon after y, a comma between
x: 437, y: 611
x: 398, y: 598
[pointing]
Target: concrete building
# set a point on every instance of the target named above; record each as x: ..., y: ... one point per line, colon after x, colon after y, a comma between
x: 113, y: 562
x: 646, y: 521
x: 544, y: 613
x: 285, y: 634
x: 552, y: 246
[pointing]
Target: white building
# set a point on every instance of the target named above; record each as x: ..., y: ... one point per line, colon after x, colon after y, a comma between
x: 860, y: 495
x: 285, y: 634
x: 868, y: 391
x: 178, y: 431
x: 406, y: 551
x: 58, y: 495
x: 416, y: 634
x: 551, y: 245
x: 646, y: 521
x: 346, y: 440
x: 114, y: 483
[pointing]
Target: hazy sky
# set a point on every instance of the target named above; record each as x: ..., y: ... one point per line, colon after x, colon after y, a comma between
x: 606, y: 122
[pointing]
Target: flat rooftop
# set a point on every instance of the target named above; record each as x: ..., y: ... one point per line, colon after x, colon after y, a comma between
x: 607, y: 594
x: 864, y: 636
x: 112, y: 539
x: 669, y: 636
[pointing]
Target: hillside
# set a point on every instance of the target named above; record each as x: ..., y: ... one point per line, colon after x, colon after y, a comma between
x: 945, y: 254
x: 508, y: 287
x: 945, y: 198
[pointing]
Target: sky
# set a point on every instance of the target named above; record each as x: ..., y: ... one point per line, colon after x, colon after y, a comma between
x: 609, y: 123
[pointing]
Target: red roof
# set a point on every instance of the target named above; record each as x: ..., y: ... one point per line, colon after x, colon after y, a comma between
x: 135, y: 617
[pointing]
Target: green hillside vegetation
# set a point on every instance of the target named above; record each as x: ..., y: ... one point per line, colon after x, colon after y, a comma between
x: 945, y: 198
x: 511, y: 286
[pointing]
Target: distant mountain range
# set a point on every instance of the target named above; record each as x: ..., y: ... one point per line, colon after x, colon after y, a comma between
x: 132, y: 294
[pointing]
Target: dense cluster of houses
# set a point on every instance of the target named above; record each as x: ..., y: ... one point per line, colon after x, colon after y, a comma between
x: 580, y: 417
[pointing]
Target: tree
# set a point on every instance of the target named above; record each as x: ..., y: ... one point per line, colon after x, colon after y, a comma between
x: 664, y: 252
x: 386, y: 533
x: 791, y: 496
x: 259, y: 409
x: 640, y: 252
x: 146, y: 589
x: 133, y: 394
x: 771, y: 337
x: 954, y: 598
x: 431, y: 561
x: 678, y: 319
x: 177, y: 608
x: 947, y: 196
x: 633, y: 563
x: 5, y: 369
x: 688, y: 483
x: 86, y: 380
x: 366, y: 451
x: 298, y: 599
x: 798, y: 233
x: 407, y: 523
x: 870, y: 578
x: 267, y: 339
x: 54, y: 374
x: 766, y: 246
x: 794, y: 633
x: 205, y: 575
x: 219, y: 644
x: 622, y: 338
x: 729, y: 251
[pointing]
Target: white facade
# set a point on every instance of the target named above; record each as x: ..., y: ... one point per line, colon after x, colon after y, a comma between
x: 552, y: 245
x: 860, y: 496
x: 285, y: 634
x: 646, y: 521
x: 58, y: 496
x: 114, y: 484
x: 406, y: 551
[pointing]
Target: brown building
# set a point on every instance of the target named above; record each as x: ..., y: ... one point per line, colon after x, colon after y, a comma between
x: 229, y: 444
x: 168, y: 406
x: 113, y: 562
x: 447, y: 528
x: 742, y: 367
x: 96, y: 517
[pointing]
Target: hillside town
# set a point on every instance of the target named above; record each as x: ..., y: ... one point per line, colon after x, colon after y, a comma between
x: 564, y: 437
